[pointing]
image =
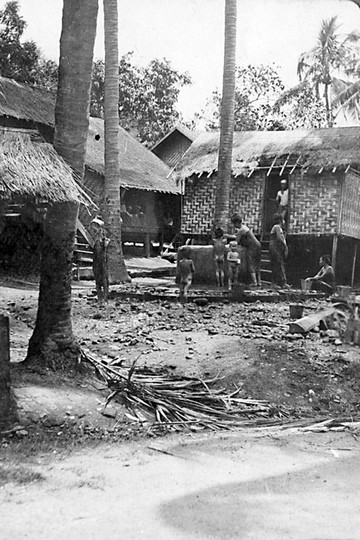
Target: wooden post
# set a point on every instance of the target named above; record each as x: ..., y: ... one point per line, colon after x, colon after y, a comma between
x: 334, y: 252
x: 354, y: 265
x: 6, y: 404
x: 147, y: 245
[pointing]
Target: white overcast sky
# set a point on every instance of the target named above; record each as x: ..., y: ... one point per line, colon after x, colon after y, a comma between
x: 189, y: 33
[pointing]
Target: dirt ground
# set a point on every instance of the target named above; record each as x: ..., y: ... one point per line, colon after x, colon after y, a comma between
x: 240, y: 485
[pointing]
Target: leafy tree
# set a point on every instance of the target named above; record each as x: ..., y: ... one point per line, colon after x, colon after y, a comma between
x: 262, y: 104
x: 22, y: 61
x: 256, y: 89
x: 298, y: 108
x: 147, y: 96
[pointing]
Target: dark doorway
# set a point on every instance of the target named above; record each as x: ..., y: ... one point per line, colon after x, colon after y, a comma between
x: 272, y: 186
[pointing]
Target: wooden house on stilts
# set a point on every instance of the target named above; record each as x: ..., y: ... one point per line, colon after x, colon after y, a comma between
x: 322, y: 168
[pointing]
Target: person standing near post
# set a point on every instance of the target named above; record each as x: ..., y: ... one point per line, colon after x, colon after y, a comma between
x: 278, y: 252
x: 282, y: 198
x: 246, y: 238
x: 100, y: 260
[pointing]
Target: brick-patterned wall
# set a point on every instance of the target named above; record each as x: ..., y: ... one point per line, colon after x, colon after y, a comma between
x: 314, y: 203
x: 246, y: 196
x: 198, y: 205
x: 350, y: 210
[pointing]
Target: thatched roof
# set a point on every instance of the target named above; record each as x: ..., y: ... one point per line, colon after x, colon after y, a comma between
x: 24, y: 102
x: 139, y: 167
x: 317, y: 148
x: 29, y: 167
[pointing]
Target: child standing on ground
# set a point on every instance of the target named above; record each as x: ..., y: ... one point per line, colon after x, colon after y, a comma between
x: 233, y: 260
x: 219, y: 255
x: 187, y: 270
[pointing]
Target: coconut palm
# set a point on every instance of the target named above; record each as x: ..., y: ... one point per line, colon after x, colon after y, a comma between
x: 328, y: 66
x: 117, y: 269
x: 52, y: 338
x: 221, y: 217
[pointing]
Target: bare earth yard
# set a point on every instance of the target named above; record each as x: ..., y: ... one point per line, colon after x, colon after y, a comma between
x: 76, y: 468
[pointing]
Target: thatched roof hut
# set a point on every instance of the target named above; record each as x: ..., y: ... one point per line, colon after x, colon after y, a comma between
x: 322, y: 170
x: 139, y: 167
x: 28, y: 103
x: 318, y: 149
x: 32, y: 168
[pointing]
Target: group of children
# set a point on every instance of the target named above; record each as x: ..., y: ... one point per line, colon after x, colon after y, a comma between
x: 221, y: 252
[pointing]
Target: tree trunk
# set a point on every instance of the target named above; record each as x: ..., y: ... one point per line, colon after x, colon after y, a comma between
x: 223, y: 181
x: 117, y: 269
x: 329, y: 115
x: 53, y: 341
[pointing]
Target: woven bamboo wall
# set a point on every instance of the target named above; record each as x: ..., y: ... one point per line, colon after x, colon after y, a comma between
x: 350, y: 208
x: 314, y: 203
x: 246, y: 196
x: 198, y: 206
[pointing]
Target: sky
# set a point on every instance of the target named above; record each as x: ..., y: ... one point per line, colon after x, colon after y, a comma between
x: 190, y: 34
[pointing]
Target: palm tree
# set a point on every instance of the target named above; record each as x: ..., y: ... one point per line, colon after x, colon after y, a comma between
x: 52, y: 339
x: 222, y: 195
x: 117, y: 269
x: 325, y: 64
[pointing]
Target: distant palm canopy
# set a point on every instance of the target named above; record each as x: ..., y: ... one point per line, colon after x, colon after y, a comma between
x: 332, y: 69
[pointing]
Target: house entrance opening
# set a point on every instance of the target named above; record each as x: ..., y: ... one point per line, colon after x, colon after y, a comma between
x: 272, y: 186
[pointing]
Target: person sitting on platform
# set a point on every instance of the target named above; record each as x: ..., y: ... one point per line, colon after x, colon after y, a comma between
x: 325, y: 279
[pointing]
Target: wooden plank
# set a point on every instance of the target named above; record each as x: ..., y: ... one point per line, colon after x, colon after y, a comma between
x: 305, y: 324
x: 5, y: 390
x: 80, y: 227
x: 354, y: 265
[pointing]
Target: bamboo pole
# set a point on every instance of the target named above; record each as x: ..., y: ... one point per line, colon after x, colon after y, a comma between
x: 354, y: 264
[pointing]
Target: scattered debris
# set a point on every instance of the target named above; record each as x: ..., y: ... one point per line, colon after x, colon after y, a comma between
x: 175, y: 402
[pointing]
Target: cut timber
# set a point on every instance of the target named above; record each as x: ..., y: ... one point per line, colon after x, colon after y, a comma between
x: 305, y: 324
x: 7, y: 406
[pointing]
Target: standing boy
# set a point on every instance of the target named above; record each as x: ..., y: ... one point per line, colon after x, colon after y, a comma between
x: 219, y: 255
x: 233, y: 260
x: 186, y: 270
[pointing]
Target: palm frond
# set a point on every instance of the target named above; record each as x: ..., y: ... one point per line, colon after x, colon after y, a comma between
x: 347, y: 98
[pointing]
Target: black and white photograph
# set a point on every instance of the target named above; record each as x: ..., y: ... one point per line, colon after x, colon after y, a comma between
x: 180, y: 269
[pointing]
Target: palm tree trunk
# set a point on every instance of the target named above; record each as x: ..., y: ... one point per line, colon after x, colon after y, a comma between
x: 52, y: 340
x: 117, y: 269
x: 222, y: 197
x: 329, y: 115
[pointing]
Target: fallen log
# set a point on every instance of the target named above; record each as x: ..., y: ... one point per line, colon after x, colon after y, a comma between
x: 305, y: 324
